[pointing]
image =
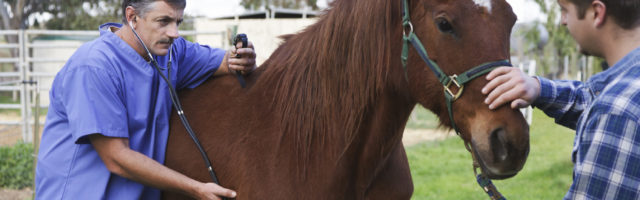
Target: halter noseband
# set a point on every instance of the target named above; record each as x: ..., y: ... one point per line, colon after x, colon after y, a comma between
x: 447, y: 82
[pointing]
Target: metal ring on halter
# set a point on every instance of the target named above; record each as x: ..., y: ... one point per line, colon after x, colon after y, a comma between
x: 453, y: 79
x: 410, y: 29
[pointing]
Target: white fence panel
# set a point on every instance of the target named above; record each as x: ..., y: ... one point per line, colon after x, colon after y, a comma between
x: 530, y: 70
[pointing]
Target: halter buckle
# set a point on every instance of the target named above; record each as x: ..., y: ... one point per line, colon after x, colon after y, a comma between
x: 454, y: 79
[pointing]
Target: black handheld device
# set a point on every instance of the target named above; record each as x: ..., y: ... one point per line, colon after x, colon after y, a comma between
x: 241, y: 37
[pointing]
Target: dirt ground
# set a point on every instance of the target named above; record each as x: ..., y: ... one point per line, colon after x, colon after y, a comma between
x: 415, y: 136
x: 8, y: 194
x: 11, y: 134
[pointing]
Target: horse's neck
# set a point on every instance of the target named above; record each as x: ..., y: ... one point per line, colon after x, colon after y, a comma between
x: 378, y: 123
x: 384, y: 123
x: 333, y: 95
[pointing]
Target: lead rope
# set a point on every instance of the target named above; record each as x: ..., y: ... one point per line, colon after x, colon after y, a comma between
x: 484, y: 182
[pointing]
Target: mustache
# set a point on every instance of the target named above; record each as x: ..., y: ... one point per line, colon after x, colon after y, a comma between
x: 166, y: 41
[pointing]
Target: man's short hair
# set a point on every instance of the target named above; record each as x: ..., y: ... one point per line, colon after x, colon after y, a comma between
x: 143, y: 6
x: 626, y: 13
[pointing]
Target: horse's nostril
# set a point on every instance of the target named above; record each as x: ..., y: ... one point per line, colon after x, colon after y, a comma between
x: 499, y: 145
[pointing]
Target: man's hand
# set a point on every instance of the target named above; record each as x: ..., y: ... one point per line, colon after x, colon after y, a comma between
x: 210, y: 190
x: 509, y: 84
x: 242, y: 59
x: 245, y: 64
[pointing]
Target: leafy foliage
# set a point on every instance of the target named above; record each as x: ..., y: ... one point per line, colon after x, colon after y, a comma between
x: 85, y: 15
x: 16, y: 166
x: 15, y: 13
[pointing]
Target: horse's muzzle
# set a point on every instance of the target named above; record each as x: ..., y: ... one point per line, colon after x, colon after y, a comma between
x: 503, y: 156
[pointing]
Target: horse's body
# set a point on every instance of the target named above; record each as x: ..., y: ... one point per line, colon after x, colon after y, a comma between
x: 323, y: 117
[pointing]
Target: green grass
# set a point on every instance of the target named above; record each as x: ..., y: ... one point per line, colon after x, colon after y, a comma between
x: 421, y: 118
x: 5, y: 97
x: 442, y: 170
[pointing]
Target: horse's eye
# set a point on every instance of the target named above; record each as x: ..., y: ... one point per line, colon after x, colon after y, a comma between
x: 444, y: 26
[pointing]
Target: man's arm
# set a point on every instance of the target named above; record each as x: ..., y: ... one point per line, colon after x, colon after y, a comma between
x: 121, y: 160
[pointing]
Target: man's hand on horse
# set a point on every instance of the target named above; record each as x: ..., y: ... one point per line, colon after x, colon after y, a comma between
x: 214, y: 192
x: 510, y: 84
x: 242, y: 60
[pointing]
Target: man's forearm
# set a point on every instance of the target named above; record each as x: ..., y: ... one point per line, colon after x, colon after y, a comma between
x: 142, y: 169
x: 563, y: 100
x: 121, y: 160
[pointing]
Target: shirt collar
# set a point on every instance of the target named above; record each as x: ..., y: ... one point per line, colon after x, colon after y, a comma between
x: 110, y: 37
x: 106, y: 28
x: 600, y: 80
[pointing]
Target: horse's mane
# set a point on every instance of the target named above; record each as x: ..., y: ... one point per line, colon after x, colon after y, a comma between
x: 329, y: 73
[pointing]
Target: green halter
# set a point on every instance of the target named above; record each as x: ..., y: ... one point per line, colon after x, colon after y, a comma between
x: 446, y: 81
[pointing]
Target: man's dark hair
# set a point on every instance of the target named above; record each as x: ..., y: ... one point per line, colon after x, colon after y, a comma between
x: 626, y: 13
x: 143, y: 6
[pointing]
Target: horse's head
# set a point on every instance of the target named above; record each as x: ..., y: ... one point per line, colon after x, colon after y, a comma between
x: 458, y: 36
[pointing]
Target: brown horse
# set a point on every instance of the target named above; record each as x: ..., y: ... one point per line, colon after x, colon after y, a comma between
x: 323, y: 117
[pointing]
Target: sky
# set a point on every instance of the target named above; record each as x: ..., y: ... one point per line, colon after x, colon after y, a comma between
x: 526, y: 10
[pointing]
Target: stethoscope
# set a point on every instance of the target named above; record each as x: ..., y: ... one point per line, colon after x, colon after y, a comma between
x: 176, y: 103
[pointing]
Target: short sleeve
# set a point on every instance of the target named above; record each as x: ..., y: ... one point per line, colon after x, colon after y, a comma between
x: 93, y: 104
x: 196, y: 63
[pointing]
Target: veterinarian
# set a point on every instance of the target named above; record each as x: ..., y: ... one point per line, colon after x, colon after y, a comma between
x: 108, y: 122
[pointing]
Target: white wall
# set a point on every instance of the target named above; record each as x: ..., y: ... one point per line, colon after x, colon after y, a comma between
x: 263, y: 33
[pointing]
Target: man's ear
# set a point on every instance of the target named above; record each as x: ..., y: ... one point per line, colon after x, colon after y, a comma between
x: 130, y: 13
x: 599, y: 13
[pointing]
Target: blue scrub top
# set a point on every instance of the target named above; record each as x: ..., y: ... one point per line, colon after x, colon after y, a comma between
x: 106, y: 87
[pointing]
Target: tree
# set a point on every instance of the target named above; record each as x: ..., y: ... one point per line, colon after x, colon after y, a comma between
x: 294, y: 4
x: 15, y: 13
x: 85, y: 16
